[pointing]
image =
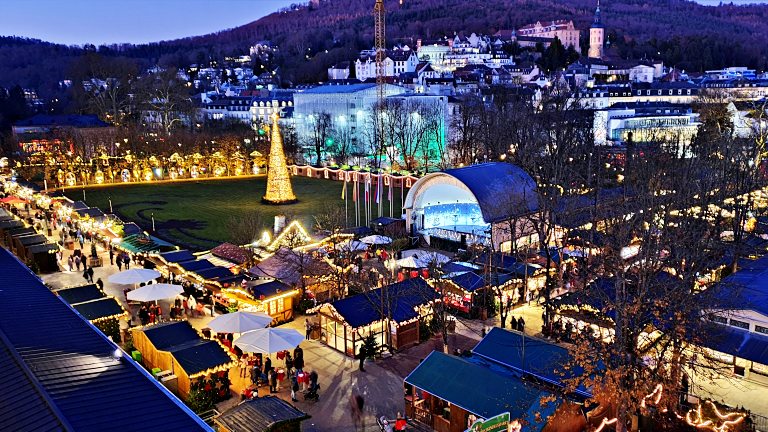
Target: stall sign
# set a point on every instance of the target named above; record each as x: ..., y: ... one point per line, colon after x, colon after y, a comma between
x: 498, y: 423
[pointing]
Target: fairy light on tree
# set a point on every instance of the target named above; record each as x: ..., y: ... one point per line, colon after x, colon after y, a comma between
x: 279, y: 189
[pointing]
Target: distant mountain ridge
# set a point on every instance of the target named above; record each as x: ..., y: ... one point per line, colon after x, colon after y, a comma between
x: 681, y: 32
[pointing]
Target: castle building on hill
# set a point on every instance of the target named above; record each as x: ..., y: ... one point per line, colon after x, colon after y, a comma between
x: 561, y: 29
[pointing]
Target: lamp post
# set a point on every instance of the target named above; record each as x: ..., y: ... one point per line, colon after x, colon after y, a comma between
x: 153, y: 221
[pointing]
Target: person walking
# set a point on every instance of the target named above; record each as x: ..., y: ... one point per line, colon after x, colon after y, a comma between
x: 70, y: 262
x: 293, y: 375
x: 77, y: 262
x: 521, y: 324
x: 298, y: 360
x: 119, y: 263
x: 272, y: 376
x: 127, y: 261
x: 361, y: 354
x: 111, y: 256
x: 267, y: 365
x: 192, y: 305
x: 85, y: 273
x: 100, y: 284
x: 244, y: 367
x: 513, y: 323
x: 307, y: 328
x: 90, y: 274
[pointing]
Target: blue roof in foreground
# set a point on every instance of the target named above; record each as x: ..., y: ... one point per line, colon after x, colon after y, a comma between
x: 450, y: 377
x: 532, y: 356
x: 737, y: 342
x: 60, y: 357
x: 749, y: 285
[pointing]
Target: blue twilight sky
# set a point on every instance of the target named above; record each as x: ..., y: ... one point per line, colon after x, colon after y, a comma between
x: 76, y: 22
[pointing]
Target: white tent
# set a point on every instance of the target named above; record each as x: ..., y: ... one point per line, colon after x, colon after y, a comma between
x: 154, y: 292
x: 133, y: 276
x: 408, y: 262
x: 239, y: 322
x: 376, y: 240
x: 269, y: 340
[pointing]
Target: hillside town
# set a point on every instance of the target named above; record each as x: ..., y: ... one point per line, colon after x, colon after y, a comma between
x: 515, y: 231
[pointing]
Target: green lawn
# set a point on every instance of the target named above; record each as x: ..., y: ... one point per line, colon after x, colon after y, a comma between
x: 194, y: 214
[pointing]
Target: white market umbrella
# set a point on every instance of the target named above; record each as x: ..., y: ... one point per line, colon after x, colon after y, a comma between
x: 376, y: 240
x: 133, y: 276
x: 239, y: 322
x: 352, y: 246
x: 430, y: 258
x: 269, y: 340
x: 155, y: 292
x: 408, y: 262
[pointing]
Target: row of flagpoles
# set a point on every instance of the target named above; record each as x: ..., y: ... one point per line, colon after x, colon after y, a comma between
x: 369, y: 202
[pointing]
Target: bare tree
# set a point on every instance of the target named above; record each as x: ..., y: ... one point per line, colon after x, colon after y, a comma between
x: 320, y: 132
x: 165, y: 96
x: 245, y: 229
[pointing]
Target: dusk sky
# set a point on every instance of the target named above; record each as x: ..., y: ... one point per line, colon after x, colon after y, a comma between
x: 135, y: 21
x: 139, y: 21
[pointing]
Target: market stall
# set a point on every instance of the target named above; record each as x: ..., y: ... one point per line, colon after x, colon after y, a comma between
x: 347, y: 321
x: 178, y: 348
x: 269, y: 296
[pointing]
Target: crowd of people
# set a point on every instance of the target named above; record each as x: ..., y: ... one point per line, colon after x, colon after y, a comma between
x: 262, y: 372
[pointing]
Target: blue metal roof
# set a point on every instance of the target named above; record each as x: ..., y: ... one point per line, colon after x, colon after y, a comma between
x: 79, y: 294
x: 363, y: 309
x: 502, y: 190
x: 528, y: 355
x: 73, y: 366
x: 192, y: 352
x: 177, y: 256
x: 262, y: 289
x: 196, y: 265
x: 737, y: 342
x: 468, y: 281
x: 749, y: 284
x: 99, y: 308
x: 214, y: 273
x: 455, y: 379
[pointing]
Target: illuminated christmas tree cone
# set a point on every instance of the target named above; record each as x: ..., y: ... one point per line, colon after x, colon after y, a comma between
x: 279, y: 190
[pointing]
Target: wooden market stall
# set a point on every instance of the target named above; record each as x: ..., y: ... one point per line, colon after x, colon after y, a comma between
x: 395, y: 309
x: 442, y: 391
x: 269, y: 296
x: 96, y: 306
x: 176, y: 348
x: 264, y: 414
x: 43, y: 256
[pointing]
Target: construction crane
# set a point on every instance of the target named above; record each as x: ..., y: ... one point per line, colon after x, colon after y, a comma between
x: 380, y: 19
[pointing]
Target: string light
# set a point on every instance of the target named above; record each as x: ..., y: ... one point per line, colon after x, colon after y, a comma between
x: 279, y: 189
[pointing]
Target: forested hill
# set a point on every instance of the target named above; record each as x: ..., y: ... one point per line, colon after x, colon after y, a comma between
x: 683, y: 33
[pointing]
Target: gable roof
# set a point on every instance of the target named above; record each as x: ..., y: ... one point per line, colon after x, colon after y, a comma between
x: 74, y: 367
x: 529, y: 355
x: 363, y: 309
x: 749, y: 285
x: 177, y: 256
x: 468, y: 281
x: 439, y: 375
x: 231, y: 252
x: 260, y: 415
x: 192, y: 352
x: 79, y: 294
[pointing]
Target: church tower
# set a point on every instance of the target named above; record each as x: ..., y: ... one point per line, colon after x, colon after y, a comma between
x: 597, y: 35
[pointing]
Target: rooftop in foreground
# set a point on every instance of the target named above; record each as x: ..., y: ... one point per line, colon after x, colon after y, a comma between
x: 61, y: 374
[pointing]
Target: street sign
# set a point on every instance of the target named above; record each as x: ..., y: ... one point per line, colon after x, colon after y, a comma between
x: 499, y: 423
